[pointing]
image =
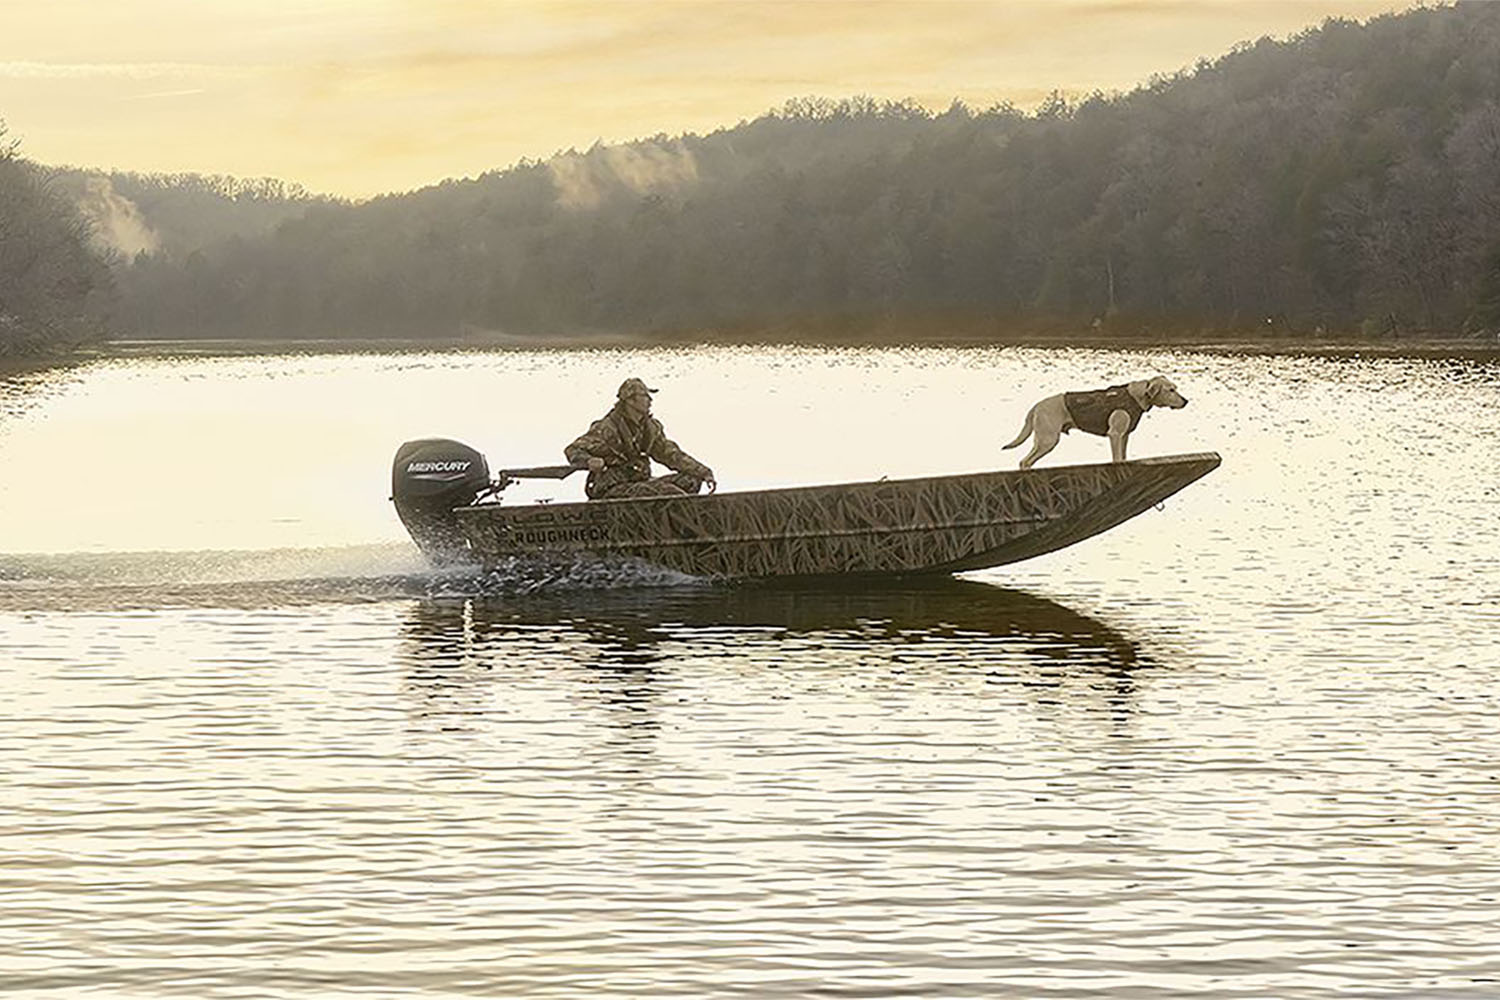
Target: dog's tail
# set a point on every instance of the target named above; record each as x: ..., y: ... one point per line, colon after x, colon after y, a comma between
x: 1026, y: 429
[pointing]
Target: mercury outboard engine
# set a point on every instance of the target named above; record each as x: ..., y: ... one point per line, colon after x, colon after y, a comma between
x: 429, y: 478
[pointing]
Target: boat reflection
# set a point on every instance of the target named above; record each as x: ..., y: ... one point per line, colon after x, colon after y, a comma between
x: 630, y: 623
x: 630, y: 640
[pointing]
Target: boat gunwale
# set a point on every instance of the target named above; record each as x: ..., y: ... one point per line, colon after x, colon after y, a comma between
x: 1181, y: 459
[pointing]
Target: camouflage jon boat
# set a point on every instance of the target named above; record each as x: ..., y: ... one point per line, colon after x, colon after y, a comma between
x: 941, y: 524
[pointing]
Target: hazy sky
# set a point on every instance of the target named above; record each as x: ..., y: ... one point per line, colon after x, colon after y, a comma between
x: 356, y: 97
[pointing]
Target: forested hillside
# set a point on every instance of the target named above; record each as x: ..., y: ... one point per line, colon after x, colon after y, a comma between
x: 53, y: 285
x: 1346, y: 179
x: 1342, y: 182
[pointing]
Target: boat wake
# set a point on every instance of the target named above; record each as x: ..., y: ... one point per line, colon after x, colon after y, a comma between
x: 565, y: 573
x: 285, y: 577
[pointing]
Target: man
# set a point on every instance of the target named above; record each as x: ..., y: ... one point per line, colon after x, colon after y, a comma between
x: 619, y: 446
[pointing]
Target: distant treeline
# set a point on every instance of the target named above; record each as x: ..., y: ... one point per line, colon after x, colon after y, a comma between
x: 1344, y: 181
x: 175, y: 214
x: 69, y: 237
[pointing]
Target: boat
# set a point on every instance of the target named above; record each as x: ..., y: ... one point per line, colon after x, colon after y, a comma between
x: 886, y: 527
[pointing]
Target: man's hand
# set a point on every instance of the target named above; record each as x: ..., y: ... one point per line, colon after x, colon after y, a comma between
x: 596, y: 464
x: 709, y: 480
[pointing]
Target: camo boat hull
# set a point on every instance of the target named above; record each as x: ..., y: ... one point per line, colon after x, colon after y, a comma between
x: 943, y: 524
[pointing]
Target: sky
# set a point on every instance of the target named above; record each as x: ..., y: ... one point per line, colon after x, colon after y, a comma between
x: 362, y: 97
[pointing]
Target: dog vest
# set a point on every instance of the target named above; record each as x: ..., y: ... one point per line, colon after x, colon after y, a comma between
x: 1090, y: 411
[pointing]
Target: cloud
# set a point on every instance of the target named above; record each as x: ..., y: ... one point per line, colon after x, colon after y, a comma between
x: 574, y: 180
x: 583, y: 179
x: 644, y: 168
x: 165, y: 93
x: 113, y: 70
x: 116, y: 220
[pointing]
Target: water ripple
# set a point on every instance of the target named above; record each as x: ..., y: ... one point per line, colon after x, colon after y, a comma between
x: 1242, y: 747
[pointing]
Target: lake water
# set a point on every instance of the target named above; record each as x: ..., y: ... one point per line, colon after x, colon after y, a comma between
x: 1242, y: 746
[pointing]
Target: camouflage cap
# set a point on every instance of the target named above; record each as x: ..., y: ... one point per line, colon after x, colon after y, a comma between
x: 633, y: 387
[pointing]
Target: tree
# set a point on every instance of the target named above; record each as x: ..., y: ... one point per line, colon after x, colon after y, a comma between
x: 51, y: 280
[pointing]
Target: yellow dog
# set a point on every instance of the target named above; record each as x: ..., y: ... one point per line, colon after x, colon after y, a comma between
x: 1111, y: 413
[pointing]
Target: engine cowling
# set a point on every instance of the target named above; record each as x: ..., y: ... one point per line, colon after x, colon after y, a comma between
x: 431, y: 477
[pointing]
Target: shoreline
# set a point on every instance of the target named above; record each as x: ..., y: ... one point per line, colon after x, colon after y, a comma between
x: 241, y: 347
x: 209, y: 347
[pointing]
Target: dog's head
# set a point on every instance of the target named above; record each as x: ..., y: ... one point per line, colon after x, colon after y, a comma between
x: 1161, y: 392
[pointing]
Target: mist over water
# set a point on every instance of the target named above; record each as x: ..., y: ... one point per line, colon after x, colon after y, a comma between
x: 1242, y: 746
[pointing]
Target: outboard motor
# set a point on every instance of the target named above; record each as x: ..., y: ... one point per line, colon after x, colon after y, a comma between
x: 429, y: 478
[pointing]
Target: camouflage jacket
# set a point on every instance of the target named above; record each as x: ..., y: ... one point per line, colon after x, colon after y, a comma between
x: 627, y: 450
x: 1090, y: 411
